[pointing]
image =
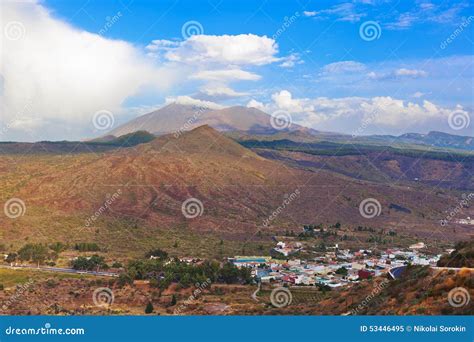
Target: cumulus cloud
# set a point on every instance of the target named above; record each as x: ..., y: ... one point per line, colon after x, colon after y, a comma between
x: 56, y: 76
x: 221, y: 91
x: 242, y: 49
x: 385, y: 115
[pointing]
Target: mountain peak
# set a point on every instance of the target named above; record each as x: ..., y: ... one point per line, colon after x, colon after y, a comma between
x: 200, y: 140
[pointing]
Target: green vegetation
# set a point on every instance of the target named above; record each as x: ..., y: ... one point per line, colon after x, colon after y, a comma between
x: 36, y: 253
x: 326, y: 148
x: 163, y: 271
x: 127, y: 140
x: 149, y: 308
x: 87, y: 247
x: 92, y: 263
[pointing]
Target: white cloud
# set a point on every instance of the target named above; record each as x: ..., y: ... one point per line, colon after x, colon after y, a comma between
x: 410, y: 73
x: 340, y: 12
x: 256, y: 104
x: 397, y: 74
x: 343, y: 67
x: 242, y: 49
x: 386, y: 115
x: 291, y: 60
x: 225, y: 75
x: 65, y: 75
x: 221, y: 91
x: 309, y: 13
x: 186, y: 100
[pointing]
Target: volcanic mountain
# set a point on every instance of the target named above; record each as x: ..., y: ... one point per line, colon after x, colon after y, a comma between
x: 235, y: 192
x: 177, y: 118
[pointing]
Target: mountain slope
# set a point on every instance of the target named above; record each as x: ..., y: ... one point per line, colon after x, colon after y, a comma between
x: 178, y: 118
x: 145, y: 187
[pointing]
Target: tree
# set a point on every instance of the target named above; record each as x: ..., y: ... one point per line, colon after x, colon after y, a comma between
x: 173, y: 300
x: 36, y: 253
x: 149, y: 308
x: 342, y: 271
x: 11, y: 257
x: 57, y: 247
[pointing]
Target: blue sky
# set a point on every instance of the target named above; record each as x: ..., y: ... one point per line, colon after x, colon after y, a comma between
x: 310, y: 58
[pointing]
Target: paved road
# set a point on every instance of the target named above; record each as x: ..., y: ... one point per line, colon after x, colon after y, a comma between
x: 61, y: 270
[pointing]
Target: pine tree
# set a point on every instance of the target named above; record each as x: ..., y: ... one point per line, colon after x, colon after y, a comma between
x: 149, y: 308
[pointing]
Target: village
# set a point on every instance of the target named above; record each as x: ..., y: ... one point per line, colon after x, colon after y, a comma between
x: 333, y: 268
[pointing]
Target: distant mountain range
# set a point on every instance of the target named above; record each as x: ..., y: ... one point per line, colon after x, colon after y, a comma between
x: 435, y: 139
x: 245, y: 123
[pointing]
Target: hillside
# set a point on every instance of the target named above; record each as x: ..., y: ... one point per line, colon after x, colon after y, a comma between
x: 147, y: 184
